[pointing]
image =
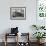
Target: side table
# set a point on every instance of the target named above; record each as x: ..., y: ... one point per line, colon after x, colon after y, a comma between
x: 8, y: 34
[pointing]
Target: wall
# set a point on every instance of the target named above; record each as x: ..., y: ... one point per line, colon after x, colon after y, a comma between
x: 24, y: 25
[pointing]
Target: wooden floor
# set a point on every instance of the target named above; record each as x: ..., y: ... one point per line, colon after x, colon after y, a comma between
x: 13, y: 44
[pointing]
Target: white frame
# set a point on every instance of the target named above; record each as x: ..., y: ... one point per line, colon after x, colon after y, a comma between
x: 13, y: 9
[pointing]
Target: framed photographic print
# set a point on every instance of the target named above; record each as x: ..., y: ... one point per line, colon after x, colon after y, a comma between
x: 18, y: 13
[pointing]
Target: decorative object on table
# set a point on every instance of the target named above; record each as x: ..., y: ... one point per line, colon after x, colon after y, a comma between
x: 18, y: 13
x: 14, y: 30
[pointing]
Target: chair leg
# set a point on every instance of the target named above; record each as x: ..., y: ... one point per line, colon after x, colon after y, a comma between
x: 5, y: 43
x: 5, y: 40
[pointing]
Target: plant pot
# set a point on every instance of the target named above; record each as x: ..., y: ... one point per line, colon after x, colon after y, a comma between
x: 40, y: 40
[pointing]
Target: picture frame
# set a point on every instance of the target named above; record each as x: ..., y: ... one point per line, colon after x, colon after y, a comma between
x: 17, y: 13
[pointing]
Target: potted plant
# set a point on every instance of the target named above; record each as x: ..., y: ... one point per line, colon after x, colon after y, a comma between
x: 39, y: 35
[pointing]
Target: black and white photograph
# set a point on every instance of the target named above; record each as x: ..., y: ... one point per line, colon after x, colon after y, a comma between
x: 18, y: 13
